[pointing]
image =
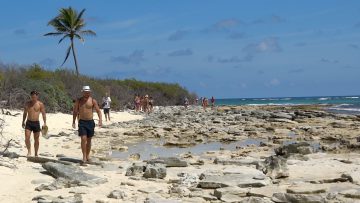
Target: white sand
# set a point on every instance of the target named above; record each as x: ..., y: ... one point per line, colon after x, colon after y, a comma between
x: 16, y: 184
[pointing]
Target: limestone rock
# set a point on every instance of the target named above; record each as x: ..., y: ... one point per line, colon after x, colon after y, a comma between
x: 155, y: 171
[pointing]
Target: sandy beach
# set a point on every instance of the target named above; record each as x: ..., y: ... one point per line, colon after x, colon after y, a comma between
x: 19, y: 186
x: 229, y: 154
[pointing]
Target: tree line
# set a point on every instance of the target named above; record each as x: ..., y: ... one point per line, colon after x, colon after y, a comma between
x: 59, y: 88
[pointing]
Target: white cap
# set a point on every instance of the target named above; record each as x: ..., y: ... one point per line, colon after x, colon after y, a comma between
x: 86, y: 89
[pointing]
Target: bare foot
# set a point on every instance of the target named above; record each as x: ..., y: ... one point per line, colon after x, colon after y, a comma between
x: 83, y: 162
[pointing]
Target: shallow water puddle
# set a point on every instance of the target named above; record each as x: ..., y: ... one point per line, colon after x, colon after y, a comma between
x: 147, y: 148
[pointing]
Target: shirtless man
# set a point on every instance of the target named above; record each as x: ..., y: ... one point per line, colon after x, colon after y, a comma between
x: 83, y: 108
x: 32, y: 111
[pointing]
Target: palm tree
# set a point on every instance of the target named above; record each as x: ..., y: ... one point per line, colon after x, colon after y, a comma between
x: 69, y: 24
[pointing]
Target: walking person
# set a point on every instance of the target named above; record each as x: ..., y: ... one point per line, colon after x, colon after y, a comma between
x: 186, y: 102
x: 145, y: 104
x: 137, y: 103
x: 32, y: 111
x: 151, y: 104
x: 106, y: 106
x: 212, y: 102
x: 84, y: 107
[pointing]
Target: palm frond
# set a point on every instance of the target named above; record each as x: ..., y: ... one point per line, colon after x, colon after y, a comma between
x: 54, y: 34
x: 58, y: 25
x: 87, y: 32
x: 67, y: 55
x: 79, y: 17
x: 79, y: 37
x: 64, y: 37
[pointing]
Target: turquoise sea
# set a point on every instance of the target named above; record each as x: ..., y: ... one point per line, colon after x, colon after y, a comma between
x: 341, y: 104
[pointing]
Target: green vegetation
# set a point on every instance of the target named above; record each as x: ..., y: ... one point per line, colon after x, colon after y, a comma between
x: 58, y: 88
x: 69, y: 24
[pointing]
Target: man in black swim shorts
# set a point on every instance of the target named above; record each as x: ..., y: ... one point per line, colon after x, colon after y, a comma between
x: 32, y: 111
x: 83, y: 108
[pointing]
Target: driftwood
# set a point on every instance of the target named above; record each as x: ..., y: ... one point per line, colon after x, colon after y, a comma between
x: 7, y: 146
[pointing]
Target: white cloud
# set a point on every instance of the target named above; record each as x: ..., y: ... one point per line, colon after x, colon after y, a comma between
x: 273, y: 82
x: 270, y: 44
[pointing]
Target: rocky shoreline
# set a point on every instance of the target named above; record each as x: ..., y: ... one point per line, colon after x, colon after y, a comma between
x: 301, y: 154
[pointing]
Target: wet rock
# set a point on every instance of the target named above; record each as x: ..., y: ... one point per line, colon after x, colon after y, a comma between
x: 71, y: 173
x: 238, y: 162
x: 213, y: 181
x: 352, y: 193
x: 149, y: 190
x: 282, y: 116
x: 230, y: 194
x: 179, y: 143
x: 117, y: 194
x: 179, y: 191
x: 46, y: 154
x: 255, y: 200
x: 188, y: 180
x: 10, y: 155
x: 155, y: 171
x: 159, y: 200
x: 275, y: 167
x: 59, y: 199
x: 294, y: 148
x: 306, y: 189
x: 169, y: 162
x: 338, y: 125
x: 42, y: 160
x: 135, y: 169
x: 203, y: 194
x: 297, y: 198
x: 57, y: 184
x: 134, y: 157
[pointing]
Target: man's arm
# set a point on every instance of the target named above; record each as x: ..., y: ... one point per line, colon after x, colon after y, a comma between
x: 98, y: 111
x: 43, y: 113
x: 24, y: 114
x: 75, y: 112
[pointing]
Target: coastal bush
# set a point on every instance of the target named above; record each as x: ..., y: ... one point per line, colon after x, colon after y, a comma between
x: 60, y: 87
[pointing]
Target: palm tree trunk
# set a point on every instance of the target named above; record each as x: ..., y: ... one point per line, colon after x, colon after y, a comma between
x: 75, y: 60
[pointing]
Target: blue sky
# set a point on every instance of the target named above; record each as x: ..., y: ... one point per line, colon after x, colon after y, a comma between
x: 225, y: 48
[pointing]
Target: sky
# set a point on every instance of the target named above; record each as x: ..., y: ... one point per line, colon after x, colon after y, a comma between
x: 221, y: 48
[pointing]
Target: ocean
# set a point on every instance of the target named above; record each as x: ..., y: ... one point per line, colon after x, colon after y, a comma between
x: 339, y: 104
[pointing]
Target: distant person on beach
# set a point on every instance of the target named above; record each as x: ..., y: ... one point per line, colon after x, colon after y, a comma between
x: 106, y: 106
x: 205, y: 103
x: 145, y: 104
x: 196, y: 101
x: 151, y: 104
x: 186, y: 102
x: 84, y: 107
x: 137, y: 103
x: 32, y: 111
x: 212, y: 102
x: 200, y: 101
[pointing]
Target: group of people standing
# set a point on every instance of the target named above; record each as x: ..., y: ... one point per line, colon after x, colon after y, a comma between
x: 204, y: 102
x: 143, y: 103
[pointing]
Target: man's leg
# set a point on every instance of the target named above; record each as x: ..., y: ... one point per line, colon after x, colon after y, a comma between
x: 27, y: 141
x: 83, y: 146
x: 109, y: 114
x: 36, y: 142
x: 88, y: 148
